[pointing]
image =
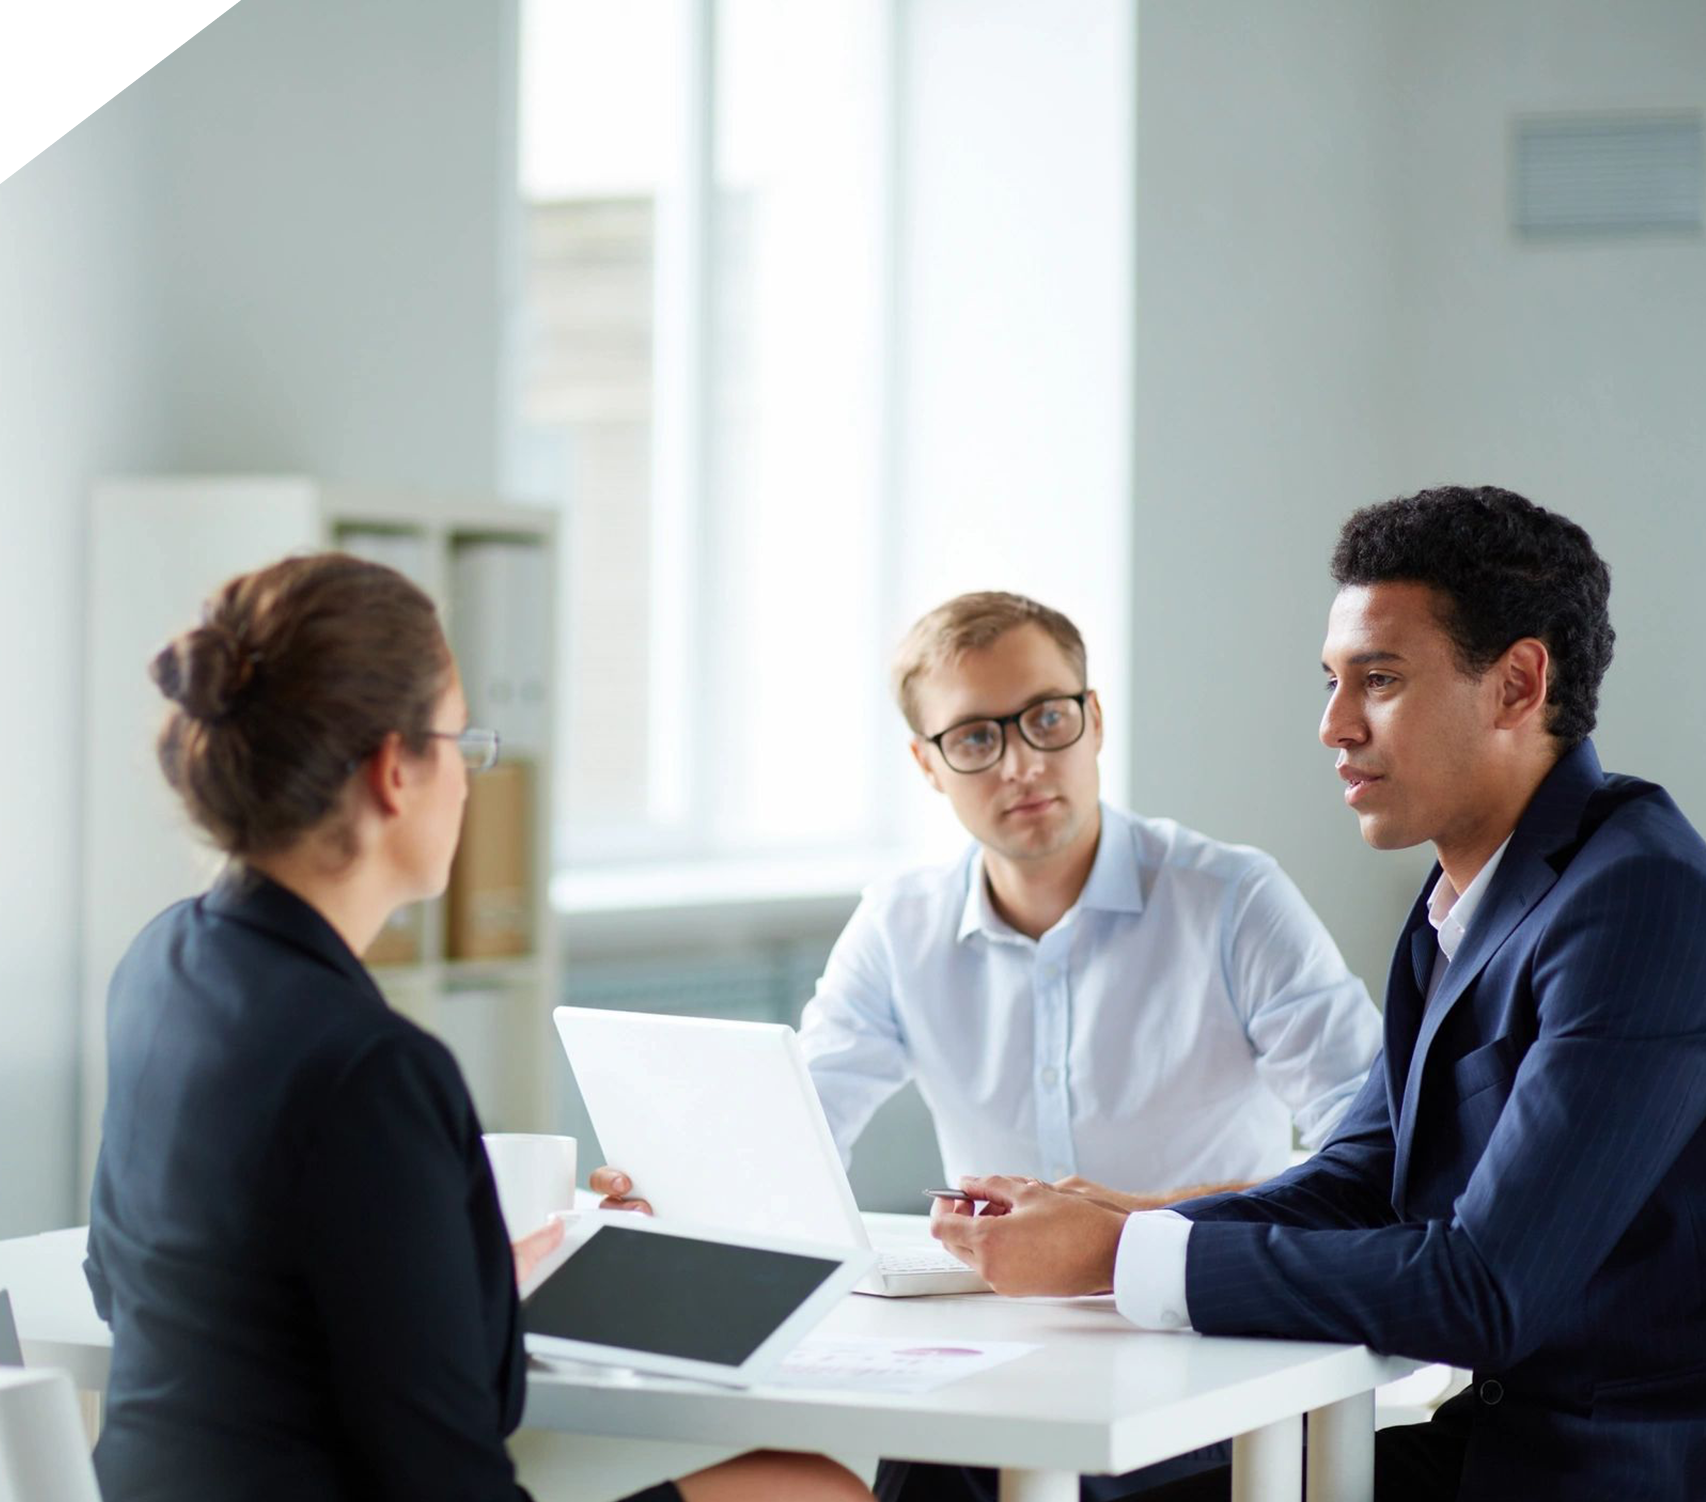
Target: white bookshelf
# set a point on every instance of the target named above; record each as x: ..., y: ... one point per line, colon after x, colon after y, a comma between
x: 160, y: 545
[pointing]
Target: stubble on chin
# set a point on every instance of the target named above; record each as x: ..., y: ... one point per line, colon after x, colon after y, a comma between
x: 1040, y: 842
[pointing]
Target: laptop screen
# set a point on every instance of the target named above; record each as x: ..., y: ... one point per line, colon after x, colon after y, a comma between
x: 725, y: 1129
x: 673, y: 1295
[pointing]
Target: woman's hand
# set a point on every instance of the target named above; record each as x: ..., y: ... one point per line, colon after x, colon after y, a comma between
x: 533, y: 1248
x: 614, y: 1185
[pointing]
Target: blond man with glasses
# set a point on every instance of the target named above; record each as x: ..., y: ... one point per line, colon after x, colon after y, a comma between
x: 1085, y: 996
x: 1115, y: 1004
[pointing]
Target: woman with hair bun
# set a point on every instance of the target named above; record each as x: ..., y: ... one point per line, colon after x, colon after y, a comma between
x: 294, y: 1233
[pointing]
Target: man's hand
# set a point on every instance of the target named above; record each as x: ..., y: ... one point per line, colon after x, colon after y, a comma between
x: 614, y: 1185
x: 1116, y: 1199
x: 1032, y: 1238
x: 1112, y: 1199
x: 532, y: 1249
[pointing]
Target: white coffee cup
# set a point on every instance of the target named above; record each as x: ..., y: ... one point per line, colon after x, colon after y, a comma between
x: 536, y: 1176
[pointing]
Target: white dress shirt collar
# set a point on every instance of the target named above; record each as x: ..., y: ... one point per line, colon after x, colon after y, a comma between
x: 1111, y: 887
x: 1450, y: 913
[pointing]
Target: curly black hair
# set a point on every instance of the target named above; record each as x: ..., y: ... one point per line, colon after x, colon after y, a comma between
x: 1508, y: 569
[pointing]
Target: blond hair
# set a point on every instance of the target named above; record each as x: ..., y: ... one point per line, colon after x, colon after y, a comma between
x: 967, y: 623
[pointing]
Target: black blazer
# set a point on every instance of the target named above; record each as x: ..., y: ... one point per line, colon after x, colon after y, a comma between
x: 295, y: 1234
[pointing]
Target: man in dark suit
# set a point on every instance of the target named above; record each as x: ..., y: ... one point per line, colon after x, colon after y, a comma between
x: 1520, y: 1188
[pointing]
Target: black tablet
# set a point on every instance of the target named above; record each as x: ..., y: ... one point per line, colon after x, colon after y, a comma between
x: 680, y: 1300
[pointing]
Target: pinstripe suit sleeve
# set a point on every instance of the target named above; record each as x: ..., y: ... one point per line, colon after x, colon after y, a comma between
x: 1604, y: 1100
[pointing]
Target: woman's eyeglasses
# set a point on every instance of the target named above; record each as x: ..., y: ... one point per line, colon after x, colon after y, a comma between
x: 479, y: 748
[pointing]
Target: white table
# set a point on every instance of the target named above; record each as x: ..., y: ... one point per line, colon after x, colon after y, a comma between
x: 57, y: 1323
x: 1097, y: 1397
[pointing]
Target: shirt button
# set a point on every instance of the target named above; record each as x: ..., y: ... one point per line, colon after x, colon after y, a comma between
x: 1051, y: 1075
x: 1491, y: 1391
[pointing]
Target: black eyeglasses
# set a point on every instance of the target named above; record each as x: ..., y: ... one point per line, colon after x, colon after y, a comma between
x: 479, y: 748
x: 1048, y: 725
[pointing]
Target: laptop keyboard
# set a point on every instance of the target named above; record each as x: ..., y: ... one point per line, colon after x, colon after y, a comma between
x: 925, y: 1259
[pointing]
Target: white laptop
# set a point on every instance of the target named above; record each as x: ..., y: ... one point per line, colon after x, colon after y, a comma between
x: 681, y: 1300
x: 718, y: 1122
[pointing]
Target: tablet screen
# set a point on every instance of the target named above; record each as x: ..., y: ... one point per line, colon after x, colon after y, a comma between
x: 673, y: 1295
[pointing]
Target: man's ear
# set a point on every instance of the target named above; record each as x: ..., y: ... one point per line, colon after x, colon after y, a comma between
x: 921, y: 755
x: 1522, y: 676
x: 1093, y: 708
x: 383, y: 773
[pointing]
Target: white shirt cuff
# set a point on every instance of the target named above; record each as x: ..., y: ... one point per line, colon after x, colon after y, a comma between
x: 1149, y: 1270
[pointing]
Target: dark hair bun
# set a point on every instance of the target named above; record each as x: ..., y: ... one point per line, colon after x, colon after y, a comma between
x: 297, y: 672
x: 205, y: 672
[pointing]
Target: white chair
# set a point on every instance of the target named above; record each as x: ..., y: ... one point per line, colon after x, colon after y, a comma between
x: 44, y: 1456
x: 11, y: 1353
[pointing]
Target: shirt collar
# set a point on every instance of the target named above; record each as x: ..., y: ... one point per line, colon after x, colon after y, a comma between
x: 1111, y: 887
x: 1450, y: 913
x: 979, y: 915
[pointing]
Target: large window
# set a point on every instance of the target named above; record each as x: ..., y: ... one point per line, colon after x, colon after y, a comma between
x: 702, y: 383
x: 828, y: 316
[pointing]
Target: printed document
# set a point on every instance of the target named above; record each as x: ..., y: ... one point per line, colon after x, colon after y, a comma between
x: 868, y: 1363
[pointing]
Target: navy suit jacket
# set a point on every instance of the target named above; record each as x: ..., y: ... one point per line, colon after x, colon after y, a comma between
x: 1520, y: 1188
x: 295, y: 1234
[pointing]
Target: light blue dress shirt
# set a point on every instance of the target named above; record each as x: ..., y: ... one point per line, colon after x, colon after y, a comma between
x: 1166, y: 1032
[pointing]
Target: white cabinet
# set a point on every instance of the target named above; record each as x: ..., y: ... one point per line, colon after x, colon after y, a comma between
x: 162, y: 545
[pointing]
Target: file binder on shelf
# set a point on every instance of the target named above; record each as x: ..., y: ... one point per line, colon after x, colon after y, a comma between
x: 491, y: 898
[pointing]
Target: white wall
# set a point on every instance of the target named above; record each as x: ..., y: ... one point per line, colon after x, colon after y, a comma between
x: 331, y: 182
x: 1264, y: 326
x: 282, y: 249
x: 75, y: 331
x: 1332, y: 310
x: 1572, y: 372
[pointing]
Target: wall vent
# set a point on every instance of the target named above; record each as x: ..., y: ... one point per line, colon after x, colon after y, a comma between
x: 1608, y: 174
